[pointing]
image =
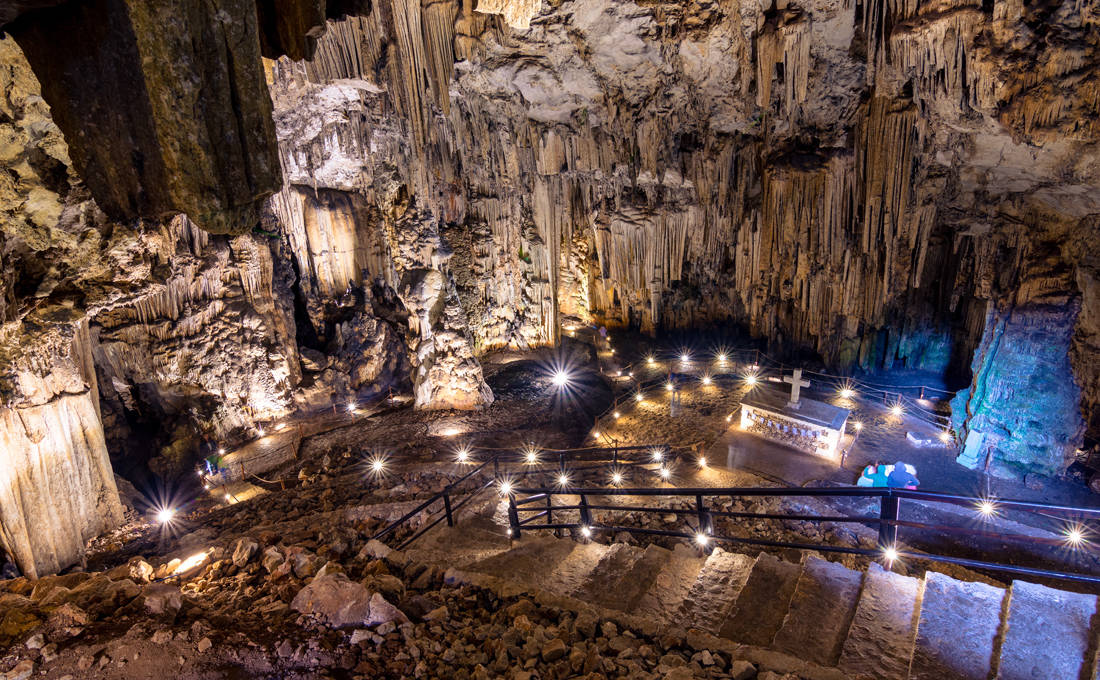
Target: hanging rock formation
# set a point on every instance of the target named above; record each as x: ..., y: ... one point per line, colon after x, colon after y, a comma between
x: 845, y: 179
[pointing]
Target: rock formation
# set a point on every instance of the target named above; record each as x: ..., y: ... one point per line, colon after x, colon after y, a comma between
x: 905, y: 185
x: 871, y: 182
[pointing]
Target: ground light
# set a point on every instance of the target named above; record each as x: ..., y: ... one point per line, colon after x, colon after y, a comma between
x: 377, y: 465
x: 721, y: 358
x: 658, y: 455
x: 945, y: 436
x: 987, y: 508
x: 586, y: 532
x: 847, y: 393
x: 166, y: 515
x: 650, y: 360
x: 685, y: 358
x: 463, y: 455
x: 706, y: 379
x: 702, y: 462
x: 702, y: 539
x: 668, y: 386
x: 750, y: 380
x: 665, y: 473
x: 896, y: 410
x: 617, y: 415
x: 563, y: 479
x: 190, y: 563
x: 617, y: 478
x: 638, y: 397
x: 1075, y: 536
x: 351, y: 406
x: 260, y: 431
x: 890, y: 554
x: 505, y: 487
x: 595, y: 435
x: 858, y: 426
x: 532, y: 456
x: 560, y: 378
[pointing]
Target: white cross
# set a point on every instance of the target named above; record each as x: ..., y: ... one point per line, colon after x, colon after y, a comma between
x: 796, y: 381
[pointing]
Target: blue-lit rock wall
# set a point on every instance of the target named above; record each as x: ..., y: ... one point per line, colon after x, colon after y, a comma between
x: 1021, y: 413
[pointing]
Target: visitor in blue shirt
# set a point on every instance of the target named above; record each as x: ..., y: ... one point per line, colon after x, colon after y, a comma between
x: 901, y: 478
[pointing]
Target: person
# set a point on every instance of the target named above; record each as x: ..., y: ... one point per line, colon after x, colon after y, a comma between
x: 901, y: 477
x: 874, y: 476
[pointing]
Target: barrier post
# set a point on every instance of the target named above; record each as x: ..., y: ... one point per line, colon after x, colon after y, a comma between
x: 888, y: 513
x: 447, y: 509
x: 513, y: 515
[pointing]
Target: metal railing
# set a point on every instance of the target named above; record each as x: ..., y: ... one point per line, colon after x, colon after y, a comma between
x: 446, y: 503
x: 528, y: 505
x: 760, y: 362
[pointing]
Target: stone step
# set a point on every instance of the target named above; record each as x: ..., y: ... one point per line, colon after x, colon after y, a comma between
x: 573, y: 571
x: 957, y: 630
x: 880, y: 639
x: 601, y: 586
x: 1047, y: 634
x: 640, y: 579
x: 461, y: 546
x: 672, y: 587
x: 530, y: 559
x: 826, y: 593
x: 762, y: 604
x: 716, y: 586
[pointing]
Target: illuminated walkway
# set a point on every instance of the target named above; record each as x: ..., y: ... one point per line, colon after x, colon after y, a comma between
x: 815, y: 618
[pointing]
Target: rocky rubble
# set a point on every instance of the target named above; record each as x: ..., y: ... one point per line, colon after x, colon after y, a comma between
x: 285, y: 611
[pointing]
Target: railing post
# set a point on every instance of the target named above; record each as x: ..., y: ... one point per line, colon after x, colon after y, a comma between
x: 513, y: 516
x: 888, y: 513
x: 549, y: 509
x: 586, y: 516
x: 447, y: 509
x: 701, y: 513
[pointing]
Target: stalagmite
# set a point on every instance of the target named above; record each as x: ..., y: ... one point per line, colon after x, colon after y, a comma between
x: 57, y: 489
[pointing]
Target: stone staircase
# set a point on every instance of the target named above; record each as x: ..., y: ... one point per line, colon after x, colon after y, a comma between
x: 875, y: 624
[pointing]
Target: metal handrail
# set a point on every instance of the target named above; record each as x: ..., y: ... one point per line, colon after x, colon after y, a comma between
x: 523, y: 500
x: 818, y: 491
x: 445, y: 495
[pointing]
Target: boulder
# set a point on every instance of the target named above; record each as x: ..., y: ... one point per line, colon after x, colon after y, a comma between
x: 271, y: 559
x: 340, y: 602
x: 244, y: 551
x: 23, y: 670
x: 161, y: 598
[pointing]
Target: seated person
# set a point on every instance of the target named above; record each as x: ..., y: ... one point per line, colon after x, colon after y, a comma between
x: 901, y: 477
x: 874, y: 476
